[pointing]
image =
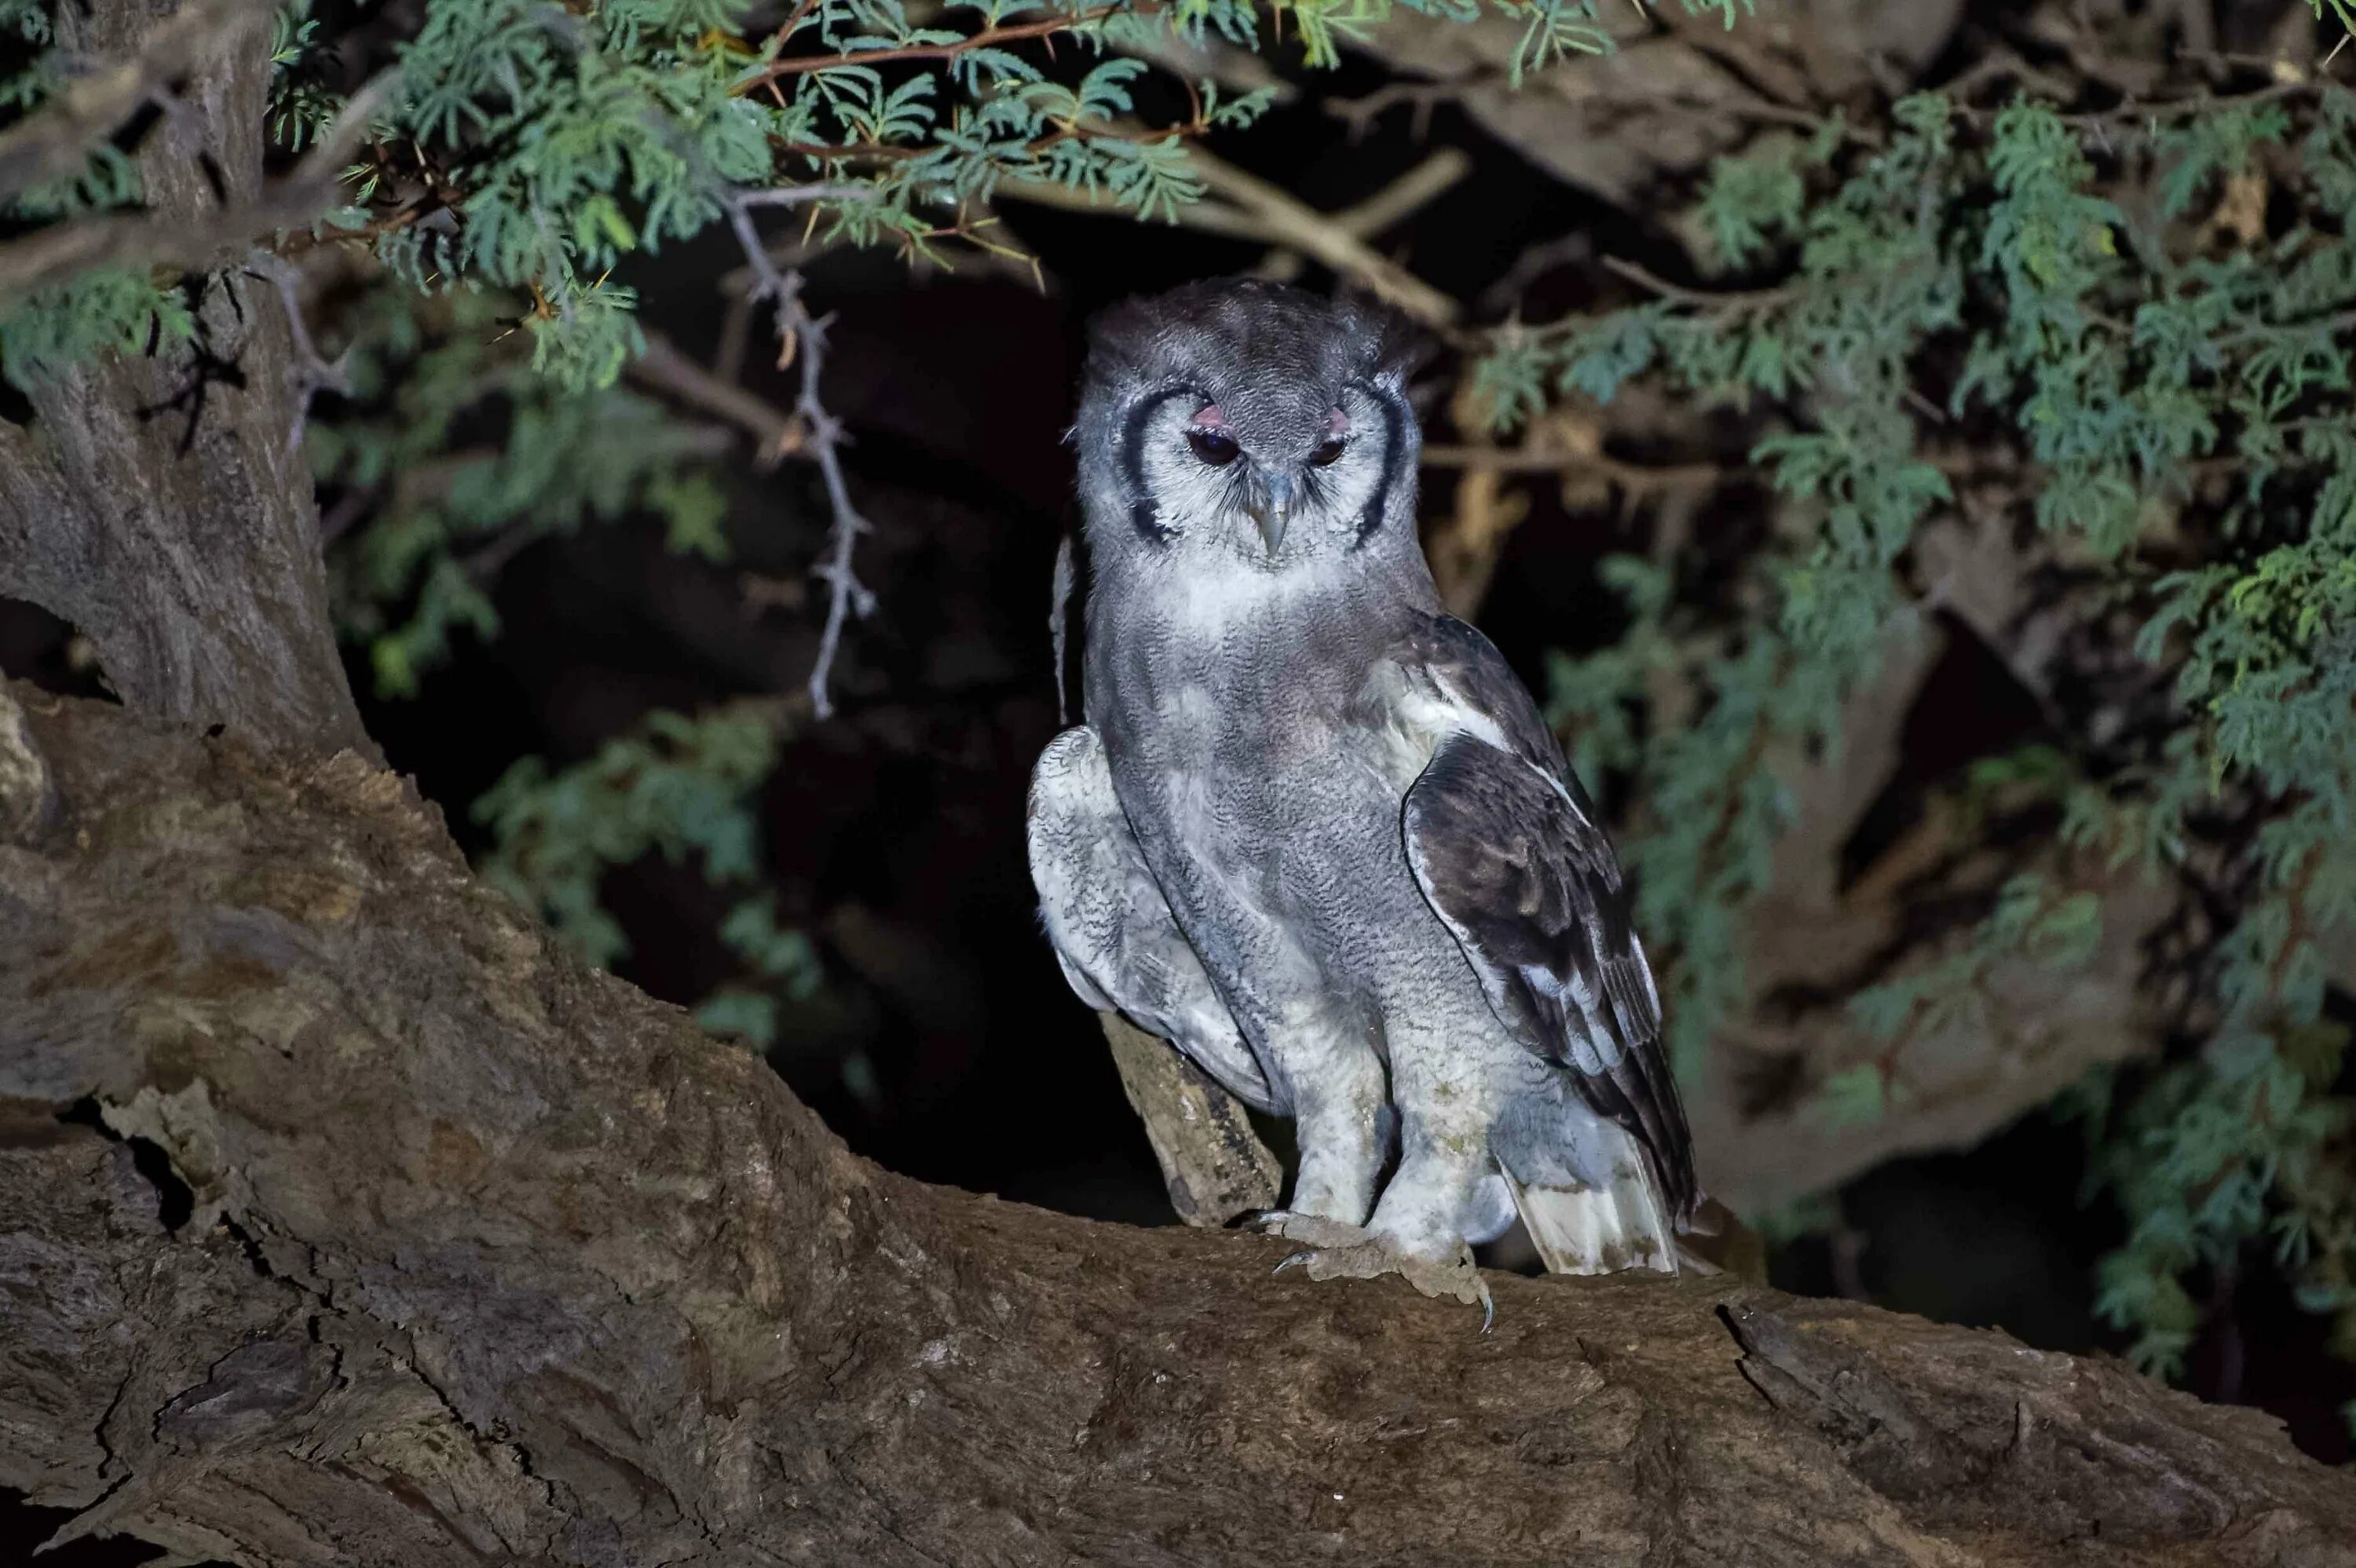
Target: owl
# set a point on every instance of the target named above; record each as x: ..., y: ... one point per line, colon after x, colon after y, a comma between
x: 1315, y: 831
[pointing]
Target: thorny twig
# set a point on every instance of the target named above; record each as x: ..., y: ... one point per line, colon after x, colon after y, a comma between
x: 799, y: 333
x: 310, y: 371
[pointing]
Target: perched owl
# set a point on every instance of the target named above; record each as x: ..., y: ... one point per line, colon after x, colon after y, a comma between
x: 1314, y: 830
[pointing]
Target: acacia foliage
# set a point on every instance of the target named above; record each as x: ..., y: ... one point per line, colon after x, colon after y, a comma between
x: 2057, y: 292
x: 2051, y: 289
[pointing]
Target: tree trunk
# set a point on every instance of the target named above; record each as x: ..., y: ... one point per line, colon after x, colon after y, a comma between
x: 346, y: 1220
x: 160, y: 502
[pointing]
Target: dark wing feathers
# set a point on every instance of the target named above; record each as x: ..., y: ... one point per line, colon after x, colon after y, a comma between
x: 1507, y: 849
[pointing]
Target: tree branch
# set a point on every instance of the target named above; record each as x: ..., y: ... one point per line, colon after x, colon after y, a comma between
x: 1214, y: 1164
x: 55, y: 141
x: 194, y: 243
x: 663, y: 369
x: 989, y: 37
x: 490, y: 1257
x: 799, y: 333
x: 1249, y: 207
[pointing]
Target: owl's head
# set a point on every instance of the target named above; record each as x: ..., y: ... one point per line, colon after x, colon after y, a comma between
x: 1237, y: 424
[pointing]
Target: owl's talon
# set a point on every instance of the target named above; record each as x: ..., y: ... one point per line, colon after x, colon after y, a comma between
x: 1347, y: 1252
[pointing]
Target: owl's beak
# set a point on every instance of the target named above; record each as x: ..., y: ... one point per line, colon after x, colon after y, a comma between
x: 1271, y: 512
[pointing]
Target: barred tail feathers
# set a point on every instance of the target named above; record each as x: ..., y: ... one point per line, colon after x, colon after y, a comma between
x: 1617, y: 1224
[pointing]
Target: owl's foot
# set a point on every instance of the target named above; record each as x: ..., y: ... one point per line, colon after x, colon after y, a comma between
x: 1339, y: 1251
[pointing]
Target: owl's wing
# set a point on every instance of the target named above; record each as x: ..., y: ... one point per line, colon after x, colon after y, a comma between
x: 1508, y: 851
x: 1111, y: 929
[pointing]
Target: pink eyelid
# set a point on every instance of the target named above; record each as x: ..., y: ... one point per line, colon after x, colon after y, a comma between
x: 1209, y: 417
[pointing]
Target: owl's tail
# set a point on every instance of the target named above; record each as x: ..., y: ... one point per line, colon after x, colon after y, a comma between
x: 1619, y: 1225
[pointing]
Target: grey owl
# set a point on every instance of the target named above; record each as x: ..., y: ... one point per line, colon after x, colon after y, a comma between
x: 1314, y: 830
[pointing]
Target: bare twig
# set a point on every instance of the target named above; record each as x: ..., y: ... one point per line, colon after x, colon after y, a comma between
x: 989, y: 37
x: 53, y: 254
x: 1505, y: 296
x: 310, y: 371
x: 735, y: 337
x: 1704, y: 299
x: 1422, y: 97
x: 53, y: 141
x: 1291, y: 222
x: 775, y: 434
x: 1393, y: 204
x: 803, y: 334
x: 1633, y: 476
x: 1249, y: 207
x: 1407, y: 195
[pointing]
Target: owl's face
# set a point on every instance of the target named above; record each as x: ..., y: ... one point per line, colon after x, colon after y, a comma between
x: 1243, y: 427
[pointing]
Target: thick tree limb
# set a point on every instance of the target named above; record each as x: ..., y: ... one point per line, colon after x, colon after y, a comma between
x: 490, y: 1257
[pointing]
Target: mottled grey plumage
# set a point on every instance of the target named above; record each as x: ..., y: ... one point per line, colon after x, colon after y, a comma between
x: 1315, y: 832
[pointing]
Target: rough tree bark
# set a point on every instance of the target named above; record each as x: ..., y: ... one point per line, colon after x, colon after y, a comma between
x: 343, y: 1220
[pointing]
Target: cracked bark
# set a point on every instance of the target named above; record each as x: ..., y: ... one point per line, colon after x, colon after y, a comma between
x: 489, y: 1257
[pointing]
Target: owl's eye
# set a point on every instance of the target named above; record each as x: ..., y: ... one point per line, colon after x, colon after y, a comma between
x: 1214, y: 447
x: 1327, y: 451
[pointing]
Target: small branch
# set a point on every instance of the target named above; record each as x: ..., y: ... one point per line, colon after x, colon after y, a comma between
x: 1703, y: 299
x: 662, y: 368
x: 989, y: 37
x: 54, y: 141
x: 1213, y: 1163
x: 1406, y: 196
x: 2127, y: 115
x: 1252, y: 209
x: 1393, y: 204
x: 799, y: 333
x: 310, y: 371
x: 51, y: 255
x: 1291, y: 222
x: 1503, y: 297
x: 1422, y: 97
x: 1634, y: 477
x: 793, y: 24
